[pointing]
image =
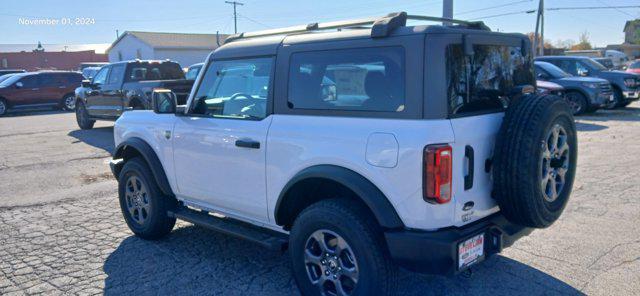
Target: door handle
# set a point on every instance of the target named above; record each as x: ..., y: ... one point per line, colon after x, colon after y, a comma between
x: 248, y: 144
x: 468, y: 179
x: 35, y: 88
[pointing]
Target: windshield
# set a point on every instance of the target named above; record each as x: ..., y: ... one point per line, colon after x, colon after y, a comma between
x: 12, y: 79
x: 594, y: 65
x: 552, y: 70
x: 5, y: 77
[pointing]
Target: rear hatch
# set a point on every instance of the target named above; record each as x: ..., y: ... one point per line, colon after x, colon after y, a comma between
x: 481, y: 86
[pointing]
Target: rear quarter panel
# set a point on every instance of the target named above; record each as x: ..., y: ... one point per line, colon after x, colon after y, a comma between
x: 296, y: 142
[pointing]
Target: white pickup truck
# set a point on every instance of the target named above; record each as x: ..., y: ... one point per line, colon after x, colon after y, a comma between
x: 359, y: 150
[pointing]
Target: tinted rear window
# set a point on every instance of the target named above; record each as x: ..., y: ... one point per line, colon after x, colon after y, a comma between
x: 487, y: 80
x: 366, y: 79
x: 154, y: 71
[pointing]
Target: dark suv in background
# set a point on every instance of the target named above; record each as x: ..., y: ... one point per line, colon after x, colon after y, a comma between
x: 626, y: 86
x: 584, y: 94
x: 39, y: 89
x: 126, y: 85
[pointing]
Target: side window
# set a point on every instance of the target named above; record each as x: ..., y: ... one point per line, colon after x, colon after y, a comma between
x: 364, y: 79
x: 101, y: 76
x: 30, y: 81
x: 116, y: 75
x: 234, y: 89
x: 48, y: 80
x: 568, y: 66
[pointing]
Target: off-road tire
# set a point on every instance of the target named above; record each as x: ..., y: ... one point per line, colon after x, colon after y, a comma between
x: 351, y: 221
x: 157, y: 222
x: 518, y: 160
x: 578, y: 102
x: 82, y: 116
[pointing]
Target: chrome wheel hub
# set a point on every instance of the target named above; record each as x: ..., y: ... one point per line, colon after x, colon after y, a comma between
x: 554, y: 163
x: 137, y: 200
x: 330, y: 263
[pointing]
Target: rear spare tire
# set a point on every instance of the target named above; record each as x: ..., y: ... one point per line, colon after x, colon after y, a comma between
x: 535, y: 160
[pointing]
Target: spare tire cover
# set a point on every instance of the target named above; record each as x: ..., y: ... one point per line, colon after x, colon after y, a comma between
x: 535, y: 159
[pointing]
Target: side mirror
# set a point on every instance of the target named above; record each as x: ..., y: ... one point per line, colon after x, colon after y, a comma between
x: 164, y: 101
x: 19, y: 85
x: 86, y: 83
x: 329, y: 92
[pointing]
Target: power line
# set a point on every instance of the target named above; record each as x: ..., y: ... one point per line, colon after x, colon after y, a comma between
x: 594, y: 7
x: 254, y: 21
x: 235, y: 14
x: 618, y: 9
x: 492, y: 7
x: 505, y: 14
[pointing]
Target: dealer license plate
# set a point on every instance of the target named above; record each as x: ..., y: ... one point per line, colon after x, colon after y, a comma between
x: 470, y: 251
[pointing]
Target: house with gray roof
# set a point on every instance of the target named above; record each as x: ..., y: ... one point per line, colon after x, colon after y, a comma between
x: 184, y: 48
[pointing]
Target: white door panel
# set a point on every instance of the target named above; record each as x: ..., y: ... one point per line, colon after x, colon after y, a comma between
x: 211, y: 169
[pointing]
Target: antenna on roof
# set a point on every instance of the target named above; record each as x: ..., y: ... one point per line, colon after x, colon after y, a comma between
x: 218, y: 38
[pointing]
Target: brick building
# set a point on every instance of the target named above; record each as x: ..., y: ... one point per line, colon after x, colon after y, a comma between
x: 48, y: 60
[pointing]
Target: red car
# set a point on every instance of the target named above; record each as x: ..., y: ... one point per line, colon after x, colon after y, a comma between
x: 634, y: 67
x: 38, y: 89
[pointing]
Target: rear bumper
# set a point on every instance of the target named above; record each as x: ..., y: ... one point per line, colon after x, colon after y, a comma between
x: 437, y: 252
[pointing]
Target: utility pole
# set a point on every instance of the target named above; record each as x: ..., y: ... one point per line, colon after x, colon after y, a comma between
x: 447, y: 11
x: 538, y: 45
x: 235, y: 14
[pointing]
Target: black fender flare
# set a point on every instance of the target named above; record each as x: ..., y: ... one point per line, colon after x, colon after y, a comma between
x: 150, y: 157
x: 375, y: 200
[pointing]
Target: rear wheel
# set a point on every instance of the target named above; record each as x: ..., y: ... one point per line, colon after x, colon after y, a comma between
x: 82, y: 116
x: 68, y: 103
x: 143, y: 205
x: 337, y: 248
x: 577, y: 102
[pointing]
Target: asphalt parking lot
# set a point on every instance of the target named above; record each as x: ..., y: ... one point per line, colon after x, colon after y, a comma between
x: 61, y: 231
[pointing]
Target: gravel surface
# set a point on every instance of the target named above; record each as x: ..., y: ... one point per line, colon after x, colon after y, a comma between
x: 61, y: 231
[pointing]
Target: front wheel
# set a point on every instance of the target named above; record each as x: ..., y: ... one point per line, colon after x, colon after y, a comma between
x: 82, y: 117
x: 337, y: 248
x: 143, y: 205
x: 3, y: 107
x: 577, y: 102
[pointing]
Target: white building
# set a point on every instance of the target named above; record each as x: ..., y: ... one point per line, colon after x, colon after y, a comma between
x: 186, y: 49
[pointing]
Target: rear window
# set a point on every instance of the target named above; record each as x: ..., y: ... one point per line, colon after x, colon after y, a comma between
x: 369, y: 79
x: 487, y: 80
x: 154, y: 71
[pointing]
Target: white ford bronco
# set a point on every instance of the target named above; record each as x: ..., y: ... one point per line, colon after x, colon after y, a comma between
x: 360, y: 146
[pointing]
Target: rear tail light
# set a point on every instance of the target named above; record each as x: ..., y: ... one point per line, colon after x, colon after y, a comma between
x: 436, y: 183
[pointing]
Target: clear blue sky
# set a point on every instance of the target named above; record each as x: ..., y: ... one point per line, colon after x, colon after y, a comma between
x: 207, y: 16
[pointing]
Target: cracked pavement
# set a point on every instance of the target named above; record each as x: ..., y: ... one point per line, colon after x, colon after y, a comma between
x: 61, y: 231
